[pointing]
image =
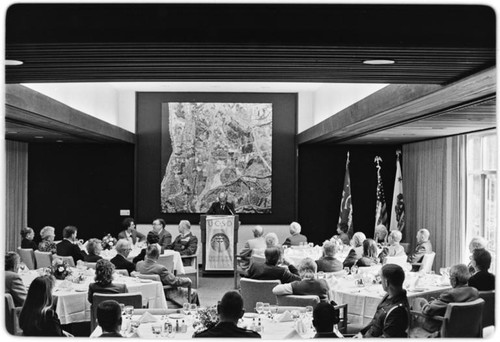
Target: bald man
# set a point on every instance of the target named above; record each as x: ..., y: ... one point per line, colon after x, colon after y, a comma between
x: 222, y: 206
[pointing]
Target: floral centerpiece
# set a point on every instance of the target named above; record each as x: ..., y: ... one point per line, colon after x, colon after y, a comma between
x: 108, y: 242
x: 337, y: 241
x: 207, y: 318
x: 59, y: 269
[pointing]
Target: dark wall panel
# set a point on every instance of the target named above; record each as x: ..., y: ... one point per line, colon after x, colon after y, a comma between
x: 84, y: 185
x: 149, y: 168
x: 321, y: 180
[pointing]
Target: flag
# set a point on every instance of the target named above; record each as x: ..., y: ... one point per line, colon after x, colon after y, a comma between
x: 398, y: 205
x: 345, y: 214
x: 381, y: 209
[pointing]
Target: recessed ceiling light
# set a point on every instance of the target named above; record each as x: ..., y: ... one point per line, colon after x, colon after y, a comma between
x: 378, y: 61
x: 13, y: 62
x: 11, y: 132
x: 59, y: 141
x: 38, y: 137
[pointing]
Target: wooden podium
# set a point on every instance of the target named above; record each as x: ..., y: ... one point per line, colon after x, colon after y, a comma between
x: 219, y: 238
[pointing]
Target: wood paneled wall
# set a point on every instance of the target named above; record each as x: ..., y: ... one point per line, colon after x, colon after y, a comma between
x: 16, y: 172
x: 434, y: 189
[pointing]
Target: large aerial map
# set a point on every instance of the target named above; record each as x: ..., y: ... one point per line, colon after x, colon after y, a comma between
x: 216, y: 147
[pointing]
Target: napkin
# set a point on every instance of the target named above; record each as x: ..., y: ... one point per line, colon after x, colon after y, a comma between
x: 148, y: 318
x: 301, y: 327
x: 285, y: 317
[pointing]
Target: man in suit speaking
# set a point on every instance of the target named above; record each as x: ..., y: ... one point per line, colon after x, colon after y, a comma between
x: 222, y: 206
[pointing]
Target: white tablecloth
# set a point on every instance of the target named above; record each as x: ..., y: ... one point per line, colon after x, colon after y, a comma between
x: 297, y: 253
x: 178, y: 266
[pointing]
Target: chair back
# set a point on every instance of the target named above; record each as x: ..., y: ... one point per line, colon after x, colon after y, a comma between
x: 43, y: 259
x: 463, y: 319
x: 257, y: 259
x: 167, y: 261
x: 284, y: 308
x: 489, y: 307
x: 154, y: 277
x: 427, y: 262
x: 27, y: 256
x: 122, y: 271
x: 134, y: 299
x: 398, y: 260
x: 68, y: 259
x: 253, y: 291
x: 10, y: 314
x: 296, y: 300
x: 89, y: 264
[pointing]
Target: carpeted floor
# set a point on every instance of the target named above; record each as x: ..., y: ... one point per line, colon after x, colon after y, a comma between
x: 212, y: 288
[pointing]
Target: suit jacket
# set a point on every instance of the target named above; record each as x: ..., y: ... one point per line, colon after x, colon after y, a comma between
x: 121, y: 263
x: 227, y: 329
x: 354, y: 255
x: 329, y: 264
x: 149, y: 266
x: 92, y: 258
x: 295, y: 240
x: 50, y: 326
x: 421, y: 249
x: 483, y: 281
x: 15, y: 286
x: 186, y: 245
x: 216, y: 209
x: 25, y: 243
x: 263, y: 271
x: 67, y: 248
x: 111, y: 288
x: 437, y: 307
x: 247, y: 251
x: 165, y: 239
x: 134, y: 235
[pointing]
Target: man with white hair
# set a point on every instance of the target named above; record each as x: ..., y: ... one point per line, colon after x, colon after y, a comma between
x: 296, y: 238
x: 258, y: 243
x: 394, y: 248
x: 222, y: 206
x: 123, y: 248
x: 424, y: 246
x: 356, y: 251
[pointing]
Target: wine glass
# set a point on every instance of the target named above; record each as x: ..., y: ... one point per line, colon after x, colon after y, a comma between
x: 309, y: 311
x: 185, y: 308
x: 129, y: 311
x: 156, y: 327
x: 266, y: 309
x: 274, y: 310
x: 354, y: 269
x: 122, y: 308
x: 193, y: 308
x: 22, y: 267
x: 259, y: 307
x: 295, y: 314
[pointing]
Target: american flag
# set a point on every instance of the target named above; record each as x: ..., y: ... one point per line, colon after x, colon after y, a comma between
x: 381, y: 209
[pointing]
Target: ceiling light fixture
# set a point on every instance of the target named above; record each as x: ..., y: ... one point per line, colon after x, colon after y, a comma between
x: 11, y: 62
x: 59, y: 141
x: 38, y: 137
x: 379, y: 61
x: 11, y: 132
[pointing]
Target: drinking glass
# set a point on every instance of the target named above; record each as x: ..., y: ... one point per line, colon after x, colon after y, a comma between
x: 354, y: 269
x: 135, y: 324
x: 321, y: 275
x: 295, y: 314
x: 347, y: 270
x: 185, y: 308
x: 274, y: 310
x: 309, y: 311
x: 193, y: 308
x: 129, y: 311
x: 311, y: 244
x: 266, y: 309
x: 259, y: 307
x: 156, y: 328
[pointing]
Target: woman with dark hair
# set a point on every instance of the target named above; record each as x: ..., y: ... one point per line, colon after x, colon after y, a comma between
x: 370, y: 254
x: 27, y: 242
x: 94, y: 248
x: 104, y: 280
x: 38, y: 317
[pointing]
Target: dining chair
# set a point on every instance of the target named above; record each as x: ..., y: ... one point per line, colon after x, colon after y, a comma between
x: 257, y: 259
x: 133, y: 298
x: 10, y: 315
x: 192, y: 267
x: 43, y: 259
x: 298, y: 300
x: 167, y: 261
x: 156, y: 311
x: 489, y: 307
x: 27, y: 257
x: 68, y: 259
x: 253, y: 291
x: 426, y: 264
x: 397, y: 260
x: 156, y: 277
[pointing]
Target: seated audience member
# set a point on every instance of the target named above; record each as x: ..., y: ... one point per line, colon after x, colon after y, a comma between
x: 460, y: 293
x: 380, y: 236
x: 165, y: 238
x: 357, y: 249
x: 104, y: 280
x: 38, y: 316
x: 482, y: 279
x: 370, y: 254
x: 120, y: 261
x: 309, y: 285
x: 13, y: 282
x: 27, y: 235
x: 47, y: 244
x: 185, y: 243
x: 477, y: 242
x: 270, y: 269
x: 272, y: 240
x: 230, y: 310
x: 424, y: 246
x: 328, y: 263
x: 296, y: 238
x: 342, y: 229
x: 150, y: 265
x: 258, y: 243
x: 151, y: 238
x: 325, y: 317
x: 393, y: 248
x: 109, y: 318
x: 94, y: 249
x: 70, y: 246
x: 129, y: 232
x: 391, y: 317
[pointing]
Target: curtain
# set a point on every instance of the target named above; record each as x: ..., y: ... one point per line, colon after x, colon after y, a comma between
x: 434, y: 179
x: 16, y: 172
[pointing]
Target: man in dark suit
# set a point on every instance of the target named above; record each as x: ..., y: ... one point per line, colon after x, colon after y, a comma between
x: 109, y: 318
x: 424, y: 246
x: 13, y: 282
x: 222, y: 206
x: 165, y: 238
x: 129, y: 232
x: 120, y: 261
x: 482, y: 279
x: 270, y: 269
x: 185, y: 243
x: 324, y: 319
x: 296, y: 238
x: 230, y: 310
x: 328, y: 262
x: 70, y: 246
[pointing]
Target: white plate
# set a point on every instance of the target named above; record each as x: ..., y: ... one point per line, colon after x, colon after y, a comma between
x: 176, y: 316
x: 80, y: 289
x: 250, y: 315
x: 145, y: 280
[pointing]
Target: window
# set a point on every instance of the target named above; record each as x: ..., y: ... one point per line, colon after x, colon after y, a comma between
x: 481, y: 217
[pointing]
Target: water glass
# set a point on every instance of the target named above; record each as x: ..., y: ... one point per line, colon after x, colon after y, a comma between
x: 259, y: 307
x: 295, y: 314
x: 185, y: 308
x: 309, y: 311
x: 135, y: 324
x: 311, y: 244
x: 193, y: 308
x: 266, y: 309
x: 321, y: 275
x: 274, y: 310
x: 347, y: 270
x: 122, y: 308
x: 354, y: 269
x: 129, y: 311
x: 156, y: 327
